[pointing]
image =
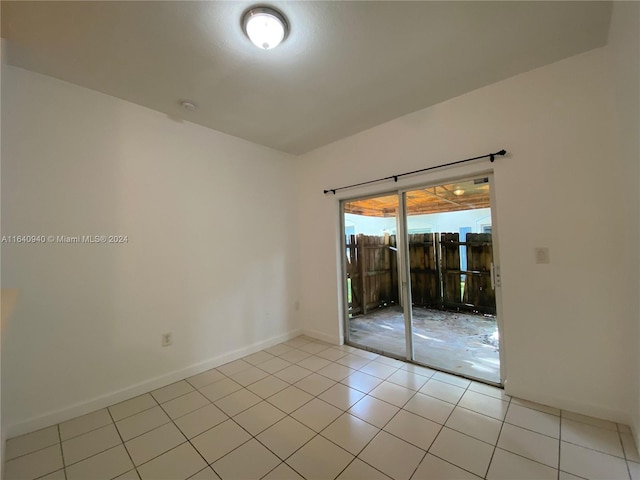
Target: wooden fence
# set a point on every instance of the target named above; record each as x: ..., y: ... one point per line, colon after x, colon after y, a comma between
x: 437, y: 278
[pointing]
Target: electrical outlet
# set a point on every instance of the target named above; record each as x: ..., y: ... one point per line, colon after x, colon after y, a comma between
x: 542, y: 255
x: 167, y: 339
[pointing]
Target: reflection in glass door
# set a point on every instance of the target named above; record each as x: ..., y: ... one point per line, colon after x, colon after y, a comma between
x: 450, y: 260
x: 375, y: 317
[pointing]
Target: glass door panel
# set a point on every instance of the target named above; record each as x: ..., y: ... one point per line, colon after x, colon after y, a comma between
x: 450, y: 261
x: 374, y: 311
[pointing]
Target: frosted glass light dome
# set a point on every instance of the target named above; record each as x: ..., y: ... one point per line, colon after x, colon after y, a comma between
x: 265, y: 27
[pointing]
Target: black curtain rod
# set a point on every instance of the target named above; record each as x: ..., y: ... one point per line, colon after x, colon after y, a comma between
x: 491, y: 156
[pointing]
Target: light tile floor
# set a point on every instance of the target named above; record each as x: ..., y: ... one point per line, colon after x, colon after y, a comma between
x: 306, y: 409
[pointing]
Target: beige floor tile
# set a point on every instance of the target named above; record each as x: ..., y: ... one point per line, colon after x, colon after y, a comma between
x: 142, y: 422
x: 362, y: 381
x: 316, y: 414
x: 285, y: 437
x: 596, y: 422
x: 59, y: 475
x: 278, y: 349
x: 507, y: 466
x: 249, y: 376
x: 219, y: 389
x: 374, y: 411
x: 292, y: 373
x: 535, y: 420
x: 353, y: 361
x: 96, y: 441
x: 452, y: 379
x: 130, y: 475
x: 475, y: 425
x: 630, y: 449
x: 154, y: 443
x: 463, y: 451
x: 31, y: 442
x: 238, y: 402
x: 177, y: 464
x: 378, y: 369
x: 259, y: 417
x: 234, y: 367
x: 35, y: 464
x: 489, y: 390
x: 206, y: 474
x: 314, y: 347
x: 350, y: 433
x: 218, y: 441
x: 132, y: 406
x: 205, y: 378
x: 294, y: 356
x: 408, y: 379
x: 634, y: 468
x: 528, y: 444
x: 258, y: 357
x: 536, y: 406
x: 331, y: 354
x: 104, y: 466
x: 200, y: 420
x: 429, y: 407
x: 588, y: 463
x: 315, y: 384
x: 392, y: 456
x: 341, y: 396
x: 484, y: 404
x: 314, y: 363
x: 283, y: 472
x: 365, y: 354
x: 335, y: 371
x: 274, y: 365
x: 250, y: 461
x: 443, y: 391
x: 358, y: 470
x: 423, y: 371
x: 387, y: 361
x: 434, y: 468
x: 298, y: 341
x: 85, y: 423
x: 289, y: 399
x: 567, y: 476
x: 413, y: 429
x: 319, y: 459
x: 185, y: 404
x: 624, y: 428
x: 590, y: 436
x: 172, y: 391
x: 268, y: 386
x: 392, y: 393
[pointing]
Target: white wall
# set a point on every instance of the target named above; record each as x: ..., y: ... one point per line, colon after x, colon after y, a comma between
x: 568, y: 326
x: 211, y: 255
x: 624, y: 43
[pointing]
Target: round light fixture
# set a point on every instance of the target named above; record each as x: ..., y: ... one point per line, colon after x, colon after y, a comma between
x: 188, y: 105
x: 265, y: 27
x: 458, y: 191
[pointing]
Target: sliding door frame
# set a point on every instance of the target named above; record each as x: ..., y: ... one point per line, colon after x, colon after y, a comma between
x: 404, y: 278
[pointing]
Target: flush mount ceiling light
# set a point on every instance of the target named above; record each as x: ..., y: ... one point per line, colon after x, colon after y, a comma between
x: 265, y: 27
x: 458, y: 191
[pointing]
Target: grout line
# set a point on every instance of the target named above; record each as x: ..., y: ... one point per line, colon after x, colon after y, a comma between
x: 123, y: 444
x: 495, y: 447
x: 64, y: 466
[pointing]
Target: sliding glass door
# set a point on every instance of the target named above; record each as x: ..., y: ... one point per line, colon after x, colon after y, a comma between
x: 374, y: 309
x: 419, y: 273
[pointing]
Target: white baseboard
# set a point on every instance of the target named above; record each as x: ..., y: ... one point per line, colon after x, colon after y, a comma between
x: 108, y: 399
x: 332, y: 339
x: 570, y: 405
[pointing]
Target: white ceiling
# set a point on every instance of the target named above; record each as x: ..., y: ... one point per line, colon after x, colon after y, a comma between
x: 345, y: 67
